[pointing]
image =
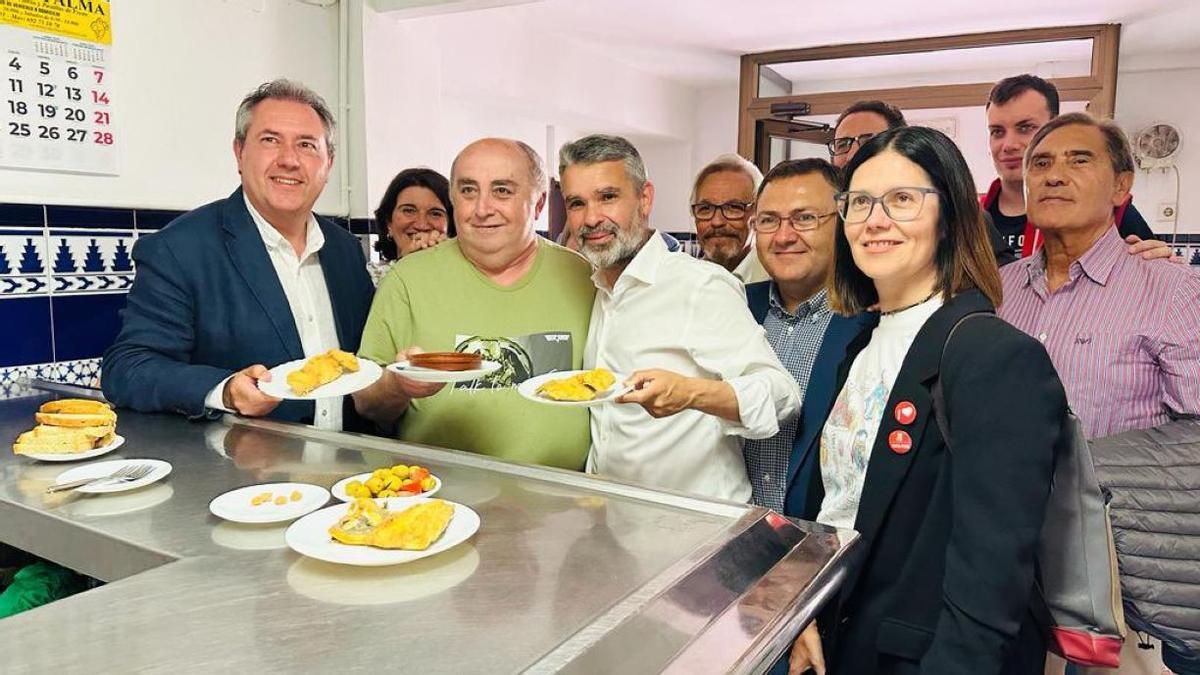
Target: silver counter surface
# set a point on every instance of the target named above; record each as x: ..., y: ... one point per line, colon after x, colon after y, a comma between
x: 568, y: 573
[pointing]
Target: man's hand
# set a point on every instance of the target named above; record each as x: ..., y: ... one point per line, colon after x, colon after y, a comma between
x: 411, y: 388
x: 1151, y: 249
x: 806, y: 652
x: 242, y: 395
x: 661, y: 392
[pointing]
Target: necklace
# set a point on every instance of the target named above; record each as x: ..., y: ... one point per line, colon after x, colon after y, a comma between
x: 919, y: 302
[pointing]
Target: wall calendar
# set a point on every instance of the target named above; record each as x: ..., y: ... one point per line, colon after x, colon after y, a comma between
x: 56, y: 86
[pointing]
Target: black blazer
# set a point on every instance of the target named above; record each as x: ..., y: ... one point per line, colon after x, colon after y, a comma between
x: 944, y: 575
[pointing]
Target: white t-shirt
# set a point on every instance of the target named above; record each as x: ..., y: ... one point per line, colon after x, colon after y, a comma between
x: 850, y: 431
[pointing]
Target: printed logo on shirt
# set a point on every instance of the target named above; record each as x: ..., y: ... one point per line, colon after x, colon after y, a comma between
x: 520, y: 357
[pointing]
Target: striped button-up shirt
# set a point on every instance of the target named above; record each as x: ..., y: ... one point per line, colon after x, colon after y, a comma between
x: 1123, y: 333
x: 796, y: 339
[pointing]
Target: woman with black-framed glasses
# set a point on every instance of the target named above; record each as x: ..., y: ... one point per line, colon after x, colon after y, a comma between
x: 943, y: 577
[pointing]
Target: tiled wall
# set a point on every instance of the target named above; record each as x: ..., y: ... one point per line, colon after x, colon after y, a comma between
x: 64, y: 275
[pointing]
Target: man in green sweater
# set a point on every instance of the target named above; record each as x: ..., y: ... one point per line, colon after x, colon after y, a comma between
x: 498, y: 290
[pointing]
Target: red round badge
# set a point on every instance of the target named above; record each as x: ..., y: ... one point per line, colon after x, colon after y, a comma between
x: 900, y: 442
x: 906, y: 412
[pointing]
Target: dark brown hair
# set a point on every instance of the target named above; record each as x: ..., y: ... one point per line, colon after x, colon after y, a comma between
x: 895, y: 118
x: 964, y: 257
x: 419, y: 177
x: 802, y: 167
x: 1012, y: 87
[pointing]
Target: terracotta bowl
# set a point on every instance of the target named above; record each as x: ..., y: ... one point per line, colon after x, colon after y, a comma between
x: 446, y: 360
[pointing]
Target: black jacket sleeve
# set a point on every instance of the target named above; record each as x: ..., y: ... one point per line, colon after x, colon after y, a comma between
x: 1005, y: 408
x: 1133, y: 223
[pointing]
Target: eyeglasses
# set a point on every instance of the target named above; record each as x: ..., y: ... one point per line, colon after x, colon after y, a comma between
x: 801, y: 221
x: 840, y: 146
x: 900, y: 204
x: 730, y: 210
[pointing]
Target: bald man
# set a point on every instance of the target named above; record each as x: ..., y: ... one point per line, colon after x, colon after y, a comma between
x: 498, y: 290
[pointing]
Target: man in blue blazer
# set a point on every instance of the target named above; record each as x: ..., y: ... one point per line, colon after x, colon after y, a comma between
x: 794, y: 221
x: 246, y: 283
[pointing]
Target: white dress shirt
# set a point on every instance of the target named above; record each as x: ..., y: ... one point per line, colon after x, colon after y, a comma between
x: 751, y: 269
x: 674, y: 312
x: 303, y: 283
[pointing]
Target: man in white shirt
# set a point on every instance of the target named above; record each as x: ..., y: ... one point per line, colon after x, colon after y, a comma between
x: 245, y: 283
x: 722, y: 198
x: 704, y: 376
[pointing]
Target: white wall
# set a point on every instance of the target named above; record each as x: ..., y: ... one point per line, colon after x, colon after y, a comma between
x: 1171, y: 96
x: 179, y: 72
x: 434, y: 84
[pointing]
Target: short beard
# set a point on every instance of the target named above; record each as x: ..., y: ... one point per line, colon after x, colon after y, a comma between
x: 726, y: 253
x: 625, y: 244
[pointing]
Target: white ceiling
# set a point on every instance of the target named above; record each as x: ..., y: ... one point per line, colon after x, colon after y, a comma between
x: 699, y: 41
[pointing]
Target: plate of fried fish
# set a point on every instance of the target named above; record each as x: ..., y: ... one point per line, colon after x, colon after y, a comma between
x: 369, y: 534
x: 575, y: 387
x: 332, y: 373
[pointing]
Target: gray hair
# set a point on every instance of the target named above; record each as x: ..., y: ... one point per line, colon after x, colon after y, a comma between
x: 729, y: 162
x: 285, y: 90
x: 1115, y: 140
x: 603, y: 148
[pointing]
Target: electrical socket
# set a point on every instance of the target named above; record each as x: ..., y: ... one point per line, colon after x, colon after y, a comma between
x: 1166, y: 212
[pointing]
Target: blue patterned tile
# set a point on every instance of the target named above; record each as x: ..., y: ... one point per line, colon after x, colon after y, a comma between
x: 89, y: 217
x: 85, y: 325
x: 25, y: 331
x: 90, y: 261
x: 83, y: 373
x: 14, y: 380
x: 24, y: 262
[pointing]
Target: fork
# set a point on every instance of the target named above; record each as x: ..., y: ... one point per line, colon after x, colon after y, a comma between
x: 126, y: 474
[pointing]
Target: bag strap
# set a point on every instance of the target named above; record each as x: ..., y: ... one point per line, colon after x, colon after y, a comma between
x: 939, y: 402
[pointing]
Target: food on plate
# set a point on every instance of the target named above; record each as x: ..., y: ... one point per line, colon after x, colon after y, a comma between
x: 296, y: 496
x: 320, y: 370
x: 397, y: 481
x: 366, y: 523
x: 446, y: 360
x: 68, y: 426
x: 579, y: 387
x: 281, y: 500
x: 260, y: 498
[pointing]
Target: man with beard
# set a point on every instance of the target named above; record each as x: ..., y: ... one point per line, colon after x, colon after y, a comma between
x: 721, y: 199
x: 678, y: 328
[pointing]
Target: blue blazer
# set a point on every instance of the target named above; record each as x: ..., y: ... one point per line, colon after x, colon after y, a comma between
x: 206, y: 302
x: 818, y: 398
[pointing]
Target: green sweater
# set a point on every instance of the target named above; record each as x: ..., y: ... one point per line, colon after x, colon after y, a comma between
x: 437, y: 300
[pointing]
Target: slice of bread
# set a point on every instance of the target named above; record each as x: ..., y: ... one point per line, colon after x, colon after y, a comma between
x: 61, y: 440
x: 75, y: 406
x: 96, y: 419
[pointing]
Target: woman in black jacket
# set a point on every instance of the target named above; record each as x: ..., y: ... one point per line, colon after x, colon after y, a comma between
x: 943, y: 577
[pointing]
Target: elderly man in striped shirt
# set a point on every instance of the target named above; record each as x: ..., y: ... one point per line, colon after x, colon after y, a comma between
x: 1123, y: 332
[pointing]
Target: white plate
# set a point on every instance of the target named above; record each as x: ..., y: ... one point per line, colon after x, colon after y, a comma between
x: 339, y: 488
x: 529, y: 388
x: 310, y: 536
x: 101, y: 469
x: 117, y: 441
x: 420, y: 374
x: 348, y: 383
x: 235, y: 505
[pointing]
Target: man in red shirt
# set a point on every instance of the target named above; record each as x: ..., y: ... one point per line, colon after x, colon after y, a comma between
x: 1016, y: 108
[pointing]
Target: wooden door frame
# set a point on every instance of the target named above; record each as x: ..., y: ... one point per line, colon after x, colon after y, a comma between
x: 1099, y: 88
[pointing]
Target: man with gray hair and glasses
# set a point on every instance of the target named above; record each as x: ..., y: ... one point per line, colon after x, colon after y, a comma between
x: 701, y: 371
x: 722, y: 198
x: 248, y: 282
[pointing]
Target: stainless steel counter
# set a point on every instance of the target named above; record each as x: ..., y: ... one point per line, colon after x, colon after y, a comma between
x: 567, y: 573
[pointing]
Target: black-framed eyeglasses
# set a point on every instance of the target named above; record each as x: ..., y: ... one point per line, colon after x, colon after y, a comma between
x: 900, y: 204
x: 730, y: 210
x: 840, y: 146
x: 801, y: 221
